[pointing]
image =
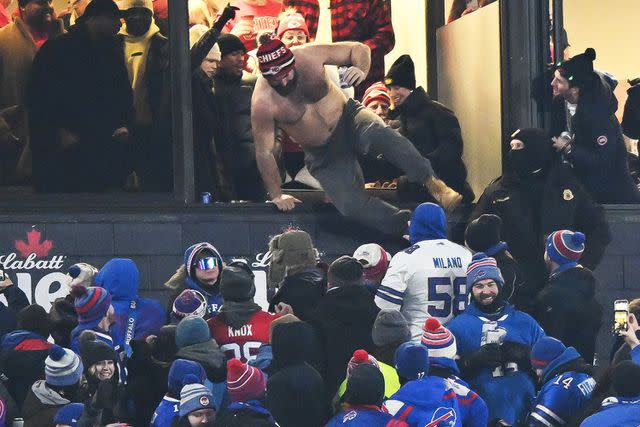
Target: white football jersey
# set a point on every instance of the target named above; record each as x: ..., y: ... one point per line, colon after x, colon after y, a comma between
x: 429, y: 279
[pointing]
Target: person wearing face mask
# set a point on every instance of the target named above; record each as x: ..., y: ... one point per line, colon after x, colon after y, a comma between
x: 146, y: 56
x: 32, y: 26
x: 537, y: 195
x: 201, y: 271
x: 494, y: 344
x: 80, y: 106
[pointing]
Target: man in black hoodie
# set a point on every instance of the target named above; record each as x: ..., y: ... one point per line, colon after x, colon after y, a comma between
x: 343, y: 320
x: 584, y: 106
x: 567, y: 308
x: 295, y: 390
x: 536, y: 196
x: 16, y: 300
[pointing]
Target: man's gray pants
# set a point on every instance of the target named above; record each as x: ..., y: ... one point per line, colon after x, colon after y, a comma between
x: 335, y: 165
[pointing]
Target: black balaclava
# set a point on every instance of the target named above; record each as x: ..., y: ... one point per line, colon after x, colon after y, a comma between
x: 531, y: 163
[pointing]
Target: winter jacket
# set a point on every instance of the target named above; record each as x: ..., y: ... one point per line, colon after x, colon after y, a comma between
x: 364, y: 416
x: 567, y: 386
x: 302, y: 291
x: 41, y: 405
x: 423, y: 401
x: 295, y: 390
x: 598, y: 152
x: 391, y: 381
x: 17, y: 50
x: 8, y: 407
x: 343, y: 321
x: 631, y: 118
x: 135, y: 317
x: 508, y: 390
x: 184, y: 278
x: 208, y: 354
x: 528, y: 217
x: 22, y: 357
x: 567, y: 309
x: 101, y: 102
x: 17, y: 300
x: 616, y: 412
x: 435, y: 131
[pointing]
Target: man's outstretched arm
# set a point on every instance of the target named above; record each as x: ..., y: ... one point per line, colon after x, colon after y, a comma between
x: 355, y: 55
x: 263, y: 126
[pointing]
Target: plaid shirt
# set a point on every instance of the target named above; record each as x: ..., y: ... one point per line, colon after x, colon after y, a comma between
x: 310, y: 9
x: 369, y: 22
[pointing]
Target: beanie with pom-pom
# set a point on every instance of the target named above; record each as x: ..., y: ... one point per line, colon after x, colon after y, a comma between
x: 62, y: 367
x: 91, y: 303
x: 361, y: 357
x: 565, y: 246
x: 439, y: 340
x: 244, y: 382
x: 483, y: 267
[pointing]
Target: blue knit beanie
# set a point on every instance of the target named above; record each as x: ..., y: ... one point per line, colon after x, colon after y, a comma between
x: 483, y: 267
x: 192, y: 330
x: 565, y: 246
x: 194, y: 396
x: 180, y: 368
x: 69, y: 414
x: 545, y: 350
x: 412, y: 361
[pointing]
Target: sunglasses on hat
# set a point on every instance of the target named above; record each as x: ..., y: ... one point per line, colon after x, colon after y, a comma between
x: 208, y: 263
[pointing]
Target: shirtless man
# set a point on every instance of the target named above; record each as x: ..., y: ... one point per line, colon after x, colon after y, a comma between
x: 294, y: 94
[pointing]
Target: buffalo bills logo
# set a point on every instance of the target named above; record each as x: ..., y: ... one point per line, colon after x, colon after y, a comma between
x: 443, y: 417
x: 349, y: 416
x: 481, y: 273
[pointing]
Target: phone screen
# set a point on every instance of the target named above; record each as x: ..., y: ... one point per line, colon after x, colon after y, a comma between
x: 620, y: 315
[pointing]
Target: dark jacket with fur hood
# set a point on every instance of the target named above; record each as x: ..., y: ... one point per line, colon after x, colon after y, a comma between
x: 184, y: 278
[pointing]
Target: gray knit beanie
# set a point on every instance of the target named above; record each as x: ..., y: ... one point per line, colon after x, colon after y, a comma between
x: 390, y: 327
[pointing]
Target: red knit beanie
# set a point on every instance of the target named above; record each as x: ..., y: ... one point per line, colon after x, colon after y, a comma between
x: 244, y: 382
x: 275, y: 59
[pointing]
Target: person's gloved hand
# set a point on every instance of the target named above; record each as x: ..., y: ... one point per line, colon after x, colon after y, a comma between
x: 488, y: 356
x: 515, y: 351
x: 228, y: 13
x: 104, y: 395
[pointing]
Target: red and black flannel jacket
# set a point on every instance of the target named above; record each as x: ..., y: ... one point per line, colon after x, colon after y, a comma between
x: 369, y: 22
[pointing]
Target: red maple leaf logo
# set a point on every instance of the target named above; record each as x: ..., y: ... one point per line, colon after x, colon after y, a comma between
x: 33, y: 245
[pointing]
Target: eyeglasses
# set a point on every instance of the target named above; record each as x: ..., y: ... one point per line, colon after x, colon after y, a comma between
x: 208, y: 263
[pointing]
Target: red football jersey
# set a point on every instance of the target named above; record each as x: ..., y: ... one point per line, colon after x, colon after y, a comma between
x: 242, y: 343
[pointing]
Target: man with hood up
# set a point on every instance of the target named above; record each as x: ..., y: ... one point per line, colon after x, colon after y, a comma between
x: 146, y: 56
x: 134, y: 317
x: 295, y: 390
x: 343, y: 320
x: 537, y: 196
x: 494, y: 344
x: 241, y: 327
x: 429, y: 278
x: 567, y: 383
x: 201, y: 271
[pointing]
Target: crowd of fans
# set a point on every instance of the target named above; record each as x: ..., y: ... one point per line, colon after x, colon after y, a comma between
x: 500, y: 332
x: 438, y: 334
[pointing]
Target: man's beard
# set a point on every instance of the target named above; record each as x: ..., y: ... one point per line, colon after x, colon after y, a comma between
x: 290, y: 87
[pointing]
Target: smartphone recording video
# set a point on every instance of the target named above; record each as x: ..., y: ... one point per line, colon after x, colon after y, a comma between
x: 620, y: 315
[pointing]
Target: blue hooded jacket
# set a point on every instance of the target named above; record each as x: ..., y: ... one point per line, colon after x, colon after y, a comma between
x: 121, y: 278
x: 428, y: 222
x: 185, y: 279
